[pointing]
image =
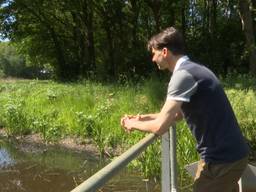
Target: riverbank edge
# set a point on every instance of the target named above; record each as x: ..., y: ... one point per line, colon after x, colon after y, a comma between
x: 35, y: 143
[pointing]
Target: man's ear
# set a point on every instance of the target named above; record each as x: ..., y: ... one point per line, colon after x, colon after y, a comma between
x: 165, y: 51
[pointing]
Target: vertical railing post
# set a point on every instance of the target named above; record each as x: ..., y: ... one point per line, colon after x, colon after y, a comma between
x: 165, y: 153
x: 173, y: 159
x: 169, y: 161
x: 240, y: 185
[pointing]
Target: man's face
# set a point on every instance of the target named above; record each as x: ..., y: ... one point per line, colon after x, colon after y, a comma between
x: 158, y: 57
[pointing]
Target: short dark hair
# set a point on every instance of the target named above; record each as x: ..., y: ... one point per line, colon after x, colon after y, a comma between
x: 170, y: 38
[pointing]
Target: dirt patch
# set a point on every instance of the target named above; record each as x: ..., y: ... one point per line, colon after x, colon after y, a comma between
x: 35, y: 143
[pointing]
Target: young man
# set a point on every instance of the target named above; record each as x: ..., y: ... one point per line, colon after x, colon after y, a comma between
x: 195, y: 93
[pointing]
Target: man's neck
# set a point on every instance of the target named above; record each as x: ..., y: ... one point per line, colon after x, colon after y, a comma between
x: 173, y: 61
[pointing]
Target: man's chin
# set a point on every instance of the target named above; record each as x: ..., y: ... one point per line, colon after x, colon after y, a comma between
x: 160, y: 68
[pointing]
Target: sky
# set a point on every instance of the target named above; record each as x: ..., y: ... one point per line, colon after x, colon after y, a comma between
x: 3, y: 40
x: 3, y: 5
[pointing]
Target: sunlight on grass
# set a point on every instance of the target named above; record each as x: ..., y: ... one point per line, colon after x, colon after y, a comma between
x: 93, y: 110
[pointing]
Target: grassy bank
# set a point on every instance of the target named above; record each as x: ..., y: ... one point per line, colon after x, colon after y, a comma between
x: 93, y: 110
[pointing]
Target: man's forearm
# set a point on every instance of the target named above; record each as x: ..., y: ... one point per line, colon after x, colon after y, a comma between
x: 152, y: 126
x: 157, y: 123
x: 148, y: 117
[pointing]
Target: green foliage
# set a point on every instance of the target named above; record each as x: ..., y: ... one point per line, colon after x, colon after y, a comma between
x: 15, y: 117
x: 92, y: 127
x: 85, y: 123
x: 105, y: 39
x: 13, y: 64
x: 155, y: 90
x: 243, y: 100
x: 48, y: 125
x: 92, y: 111
x: 149, y: 161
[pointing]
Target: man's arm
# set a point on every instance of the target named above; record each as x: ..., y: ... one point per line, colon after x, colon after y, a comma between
x: 160, y: 124
x: 179, y: 116
x: 147, y: 117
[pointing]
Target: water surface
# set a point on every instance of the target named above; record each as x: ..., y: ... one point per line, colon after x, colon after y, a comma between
x: 35, y: 169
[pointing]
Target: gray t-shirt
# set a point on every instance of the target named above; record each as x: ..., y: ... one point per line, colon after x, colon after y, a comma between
x: 181, y: 86
x: 208, y: 113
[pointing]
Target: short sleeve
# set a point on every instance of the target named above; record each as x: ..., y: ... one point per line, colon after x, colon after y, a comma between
x: 181, y: 86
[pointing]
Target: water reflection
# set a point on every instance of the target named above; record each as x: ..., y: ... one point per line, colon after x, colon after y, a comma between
x: 5, y: 159
x: 57, y: 170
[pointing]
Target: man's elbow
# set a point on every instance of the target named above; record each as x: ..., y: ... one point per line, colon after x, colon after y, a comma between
x: 178, y: 116
x: 159, y: 129
x: 156, y: 131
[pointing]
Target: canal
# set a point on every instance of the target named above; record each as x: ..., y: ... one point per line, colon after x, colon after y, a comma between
x: 57, y: 169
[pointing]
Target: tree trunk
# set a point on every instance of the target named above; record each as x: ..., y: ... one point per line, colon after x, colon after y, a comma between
x: 61, y: 70
x: 108, y: 24
x: 212, y: 14
x: 212, y: 33
x: 247, y: 26
x: 155, y: 5
x: 90, y: 44
x: 135, y: 10
x: 254, y: 15
x: 112, y: 67
x: 183, y: 18
x: 62, y: 74
x: 78, y: 42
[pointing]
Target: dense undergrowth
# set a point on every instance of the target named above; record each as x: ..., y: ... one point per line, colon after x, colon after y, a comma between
x: 93, y: 110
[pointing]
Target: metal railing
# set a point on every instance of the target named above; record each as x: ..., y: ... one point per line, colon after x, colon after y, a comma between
x: 168, y: 160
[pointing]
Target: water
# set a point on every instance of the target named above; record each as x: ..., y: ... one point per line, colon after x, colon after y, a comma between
x: 35, y: 169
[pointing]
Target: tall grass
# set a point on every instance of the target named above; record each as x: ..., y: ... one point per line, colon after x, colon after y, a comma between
x: 93, y: 110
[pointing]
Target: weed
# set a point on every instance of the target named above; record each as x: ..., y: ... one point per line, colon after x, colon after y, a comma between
x: 15, y: 117
x: 93, y: 110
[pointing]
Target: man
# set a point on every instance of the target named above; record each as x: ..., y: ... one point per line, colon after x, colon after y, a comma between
x: 195, y: 93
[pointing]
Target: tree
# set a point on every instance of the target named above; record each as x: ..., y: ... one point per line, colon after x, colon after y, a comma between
x: 247, y: 26
x: 13, y: 64
x: 107, y: 38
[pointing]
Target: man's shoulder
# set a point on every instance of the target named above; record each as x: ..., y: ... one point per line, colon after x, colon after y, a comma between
x: 197, y: 69
x: 190, y: 64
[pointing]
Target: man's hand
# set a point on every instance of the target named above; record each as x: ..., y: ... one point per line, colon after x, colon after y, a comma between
x: 157, y: 123
x: 128, y: 120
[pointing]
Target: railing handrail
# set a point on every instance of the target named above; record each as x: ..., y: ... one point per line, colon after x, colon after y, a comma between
x: 102, y: 176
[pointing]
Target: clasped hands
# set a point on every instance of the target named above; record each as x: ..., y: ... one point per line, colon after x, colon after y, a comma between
x: 128, y: 122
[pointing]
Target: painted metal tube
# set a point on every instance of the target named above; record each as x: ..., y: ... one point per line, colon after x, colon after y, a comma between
x: 165, y: 153
x: 101, y: 177
x: 173, y: 159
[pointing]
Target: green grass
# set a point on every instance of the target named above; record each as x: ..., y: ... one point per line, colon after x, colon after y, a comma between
x: 93, y: 110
